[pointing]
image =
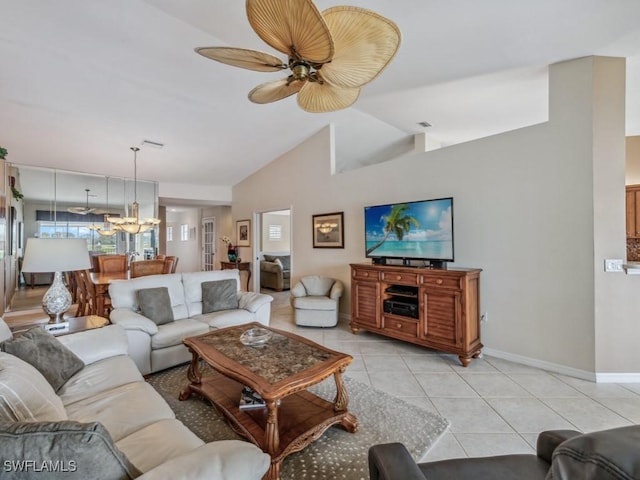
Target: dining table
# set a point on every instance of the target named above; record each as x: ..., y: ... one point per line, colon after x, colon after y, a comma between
x: 101, y: 282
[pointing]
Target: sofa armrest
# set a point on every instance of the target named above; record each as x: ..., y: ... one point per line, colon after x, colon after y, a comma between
x: 272, y: 267
x: 222, y: 460
x: 252, y: 301
x: 550, y: 439
x: 298, y: 290
x: 130, y: 320
x: 336, y: 290
x: 97, y: 344
x: 392, y: 461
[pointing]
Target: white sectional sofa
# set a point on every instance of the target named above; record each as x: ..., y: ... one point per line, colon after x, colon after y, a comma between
x: 137, y: 434
x: 156, y: 347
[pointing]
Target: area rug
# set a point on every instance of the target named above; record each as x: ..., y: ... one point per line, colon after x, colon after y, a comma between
x: 337, y: 454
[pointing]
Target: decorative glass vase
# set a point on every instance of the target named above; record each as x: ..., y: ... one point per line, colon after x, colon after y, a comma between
x: 232, y: 254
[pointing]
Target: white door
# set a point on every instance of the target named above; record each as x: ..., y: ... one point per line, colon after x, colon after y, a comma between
x: 208, y: 243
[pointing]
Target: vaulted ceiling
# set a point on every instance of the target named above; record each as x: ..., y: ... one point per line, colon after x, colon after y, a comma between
x: 83, y: 80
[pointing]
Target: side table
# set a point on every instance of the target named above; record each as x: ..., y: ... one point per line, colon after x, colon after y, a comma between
x: 76, y: 324
x: 242, y: 266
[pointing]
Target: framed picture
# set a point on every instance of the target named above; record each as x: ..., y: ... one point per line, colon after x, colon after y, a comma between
x: 243, y: 233
x: 328, y: 230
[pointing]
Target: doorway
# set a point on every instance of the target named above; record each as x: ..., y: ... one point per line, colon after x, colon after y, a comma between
x: 272, y: 238
x: 208, y: 243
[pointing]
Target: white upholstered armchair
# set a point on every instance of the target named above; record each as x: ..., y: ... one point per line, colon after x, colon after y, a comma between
x: 315, y: 301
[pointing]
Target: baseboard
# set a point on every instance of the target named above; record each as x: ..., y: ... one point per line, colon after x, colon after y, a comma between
x: 618, y: 377
x: 544, y: 365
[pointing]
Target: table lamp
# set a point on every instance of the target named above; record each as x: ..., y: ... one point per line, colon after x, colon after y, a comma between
x: 56, y: 255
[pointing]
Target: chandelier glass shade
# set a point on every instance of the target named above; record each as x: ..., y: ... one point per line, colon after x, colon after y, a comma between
x: 134, y: 224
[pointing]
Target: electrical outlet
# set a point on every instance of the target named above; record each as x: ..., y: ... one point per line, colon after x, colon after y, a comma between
x: 613, y: 265
x: 484, y: 317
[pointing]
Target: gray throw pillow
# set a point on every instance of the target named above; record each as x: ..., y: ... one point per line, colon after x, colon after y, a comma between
x: 155, y: 304
x: 219, y: 295
x: 67, y: 449
x: 286, y: 262
x: 51, y: 358
x: 269, y: 258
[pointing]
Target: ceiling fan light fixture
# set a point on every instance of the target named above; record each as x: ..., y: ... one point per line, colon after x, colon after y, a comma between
x: 342, y: 48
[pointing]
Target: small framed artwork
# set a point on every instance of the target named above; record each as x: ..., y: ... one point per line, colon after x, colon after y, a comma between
x: 328, y: 230
x: 243, y: 233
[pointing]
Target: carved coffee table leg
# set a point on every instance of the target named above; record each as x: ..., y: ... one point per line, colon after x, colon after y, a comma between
x: 349, y: 422
x: 193, y: 374
x: 272, y: 440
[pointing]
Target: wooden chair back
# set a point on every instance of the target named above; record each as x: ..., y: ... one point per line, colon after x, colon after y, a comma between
x: 160, y: 257
x: 175, y: 263
x: 95, y: 266
x: 143, y: 268
x: 168, y: 265
x: 112, y: 263
x: 84, y: 306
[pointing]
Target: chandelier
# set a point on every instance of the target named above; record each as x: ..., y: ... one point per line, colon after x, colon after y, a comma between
x: 326, y: 227
x: 134, y: 224
x: 106, y: 230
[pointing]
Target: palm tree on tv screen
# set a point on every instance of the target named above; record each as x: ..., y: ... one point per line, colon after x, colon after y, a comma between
x: 396, y: 222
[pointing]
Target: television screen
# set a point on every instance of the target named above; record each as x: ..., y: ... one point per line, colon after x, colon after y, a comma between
x: 410, y: 230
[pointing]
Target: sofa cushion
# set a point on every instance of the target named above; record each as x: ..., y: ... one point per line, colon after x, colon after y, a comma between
x: 78, y: 450
x: 150, y: 447
x: 97, y: 344
x: 173, y: 333
x: 284, y: 260
x: 192, y: 283
x: 314, y: 303
x: 317, y: 285
x: 98, y: 377
x: 219, y: 295
x: 123, y: 292
x: 155, y: 304
x: 25, y: 395
x: 122, y: 410
x: 225, y: 318
x: 5, y: 331
x: 50, y: 357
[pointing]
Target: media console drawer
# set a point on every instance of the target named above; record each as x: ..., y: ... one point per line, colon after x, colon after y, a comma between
x: 441, y: 281
x: 365, y: 274
x: 404, y: 278
x: 404, y: 327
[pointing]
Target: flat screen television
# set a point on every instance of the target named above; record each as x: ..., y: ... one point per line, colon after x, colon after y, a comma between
x: 421, y: 230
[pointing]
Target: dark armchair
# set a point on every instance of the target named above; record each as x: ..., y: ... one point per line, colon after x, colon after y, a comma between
x: 560, y: 455
x: 275, y: 272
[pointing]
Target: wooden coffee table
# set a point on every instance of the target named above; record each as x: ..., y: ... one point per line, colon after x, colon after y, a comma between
x: 280, y: 371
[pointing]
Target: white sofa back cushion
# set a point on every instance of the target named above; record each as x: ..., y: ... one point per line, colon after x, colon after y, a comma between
x: 123, y: 292
x: 25, y: 395
x: 97, y: 344
x: 5, y: 331
x: 193, y: 286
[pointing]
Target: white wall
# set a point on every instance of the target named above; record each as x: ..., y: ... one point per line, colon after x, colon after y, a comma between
x: 188, y: 251
x: 524, y: 213
x: 276, y: 246
x: 633, y: 160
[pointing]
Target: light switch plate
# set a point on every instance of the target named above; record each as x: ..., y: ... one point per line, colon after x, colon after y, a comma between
x: 613, y: 265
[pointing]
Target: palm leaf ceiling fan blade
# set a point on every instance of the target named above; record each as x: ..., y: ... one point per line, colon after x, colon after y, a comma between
x: 273, y: 91
x: 243, y: 58
x: 293, y: 27
x: 365, y: 43
x: 315, y: 97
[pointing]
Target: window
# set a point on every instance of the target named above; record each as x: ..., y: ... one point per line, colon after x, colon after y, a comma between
x: 169, y: 234
x: 184, y: 232
x: 275, y: 232
x: 64, y: 229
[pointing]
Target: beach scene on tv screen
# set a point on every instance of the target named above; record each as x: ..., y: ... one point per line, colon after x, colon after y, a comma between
x: 410, y: 230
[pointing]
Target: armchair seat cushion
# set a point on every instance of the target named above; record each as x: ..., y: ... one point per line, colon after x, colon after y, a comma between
x: 170, y: 334
x: 315, y: 302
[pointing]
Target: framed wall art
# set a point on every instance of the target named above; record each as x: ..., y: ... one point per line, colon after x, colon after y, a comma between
x: 328, y: 230
x: 243, y: 233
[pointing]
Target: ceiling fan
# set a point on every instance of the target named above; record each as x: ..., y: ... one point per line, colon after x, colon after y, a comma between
x: 331, y: 54
x: 85, y: 210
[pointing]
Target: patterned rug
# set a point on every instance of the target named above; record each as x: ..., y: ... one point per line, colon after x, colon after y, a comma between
x: 337, y: 454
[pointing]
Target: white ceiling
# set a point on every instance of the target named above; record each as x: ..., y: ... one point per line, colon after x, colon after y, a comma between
x: 83, y: 80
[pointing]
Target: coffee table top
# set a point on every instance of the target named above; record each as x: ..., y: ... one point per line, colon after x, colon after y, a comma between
x: 286, y: 363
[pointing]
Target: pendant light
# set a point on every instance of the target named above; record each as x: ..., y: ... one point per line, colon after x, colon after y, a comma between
x: 106, y: 230
x: 134, y: 224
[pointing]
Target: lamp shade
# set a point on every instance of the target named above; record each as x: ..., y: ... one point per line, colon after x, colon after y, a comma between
x: 55, y: 255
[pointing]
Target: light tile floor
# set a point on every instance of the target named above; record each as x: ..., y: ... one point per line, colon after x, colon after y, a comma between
x: 494, y: 406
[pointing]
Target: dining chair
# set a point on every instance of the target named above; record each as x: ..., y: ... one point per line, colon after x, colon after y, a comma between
x: 91, y: 299
x: 81, y: 294
x: 160, y: 257
x: 143, y: 268
x: 168, y: 264
x: 112, y: 263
